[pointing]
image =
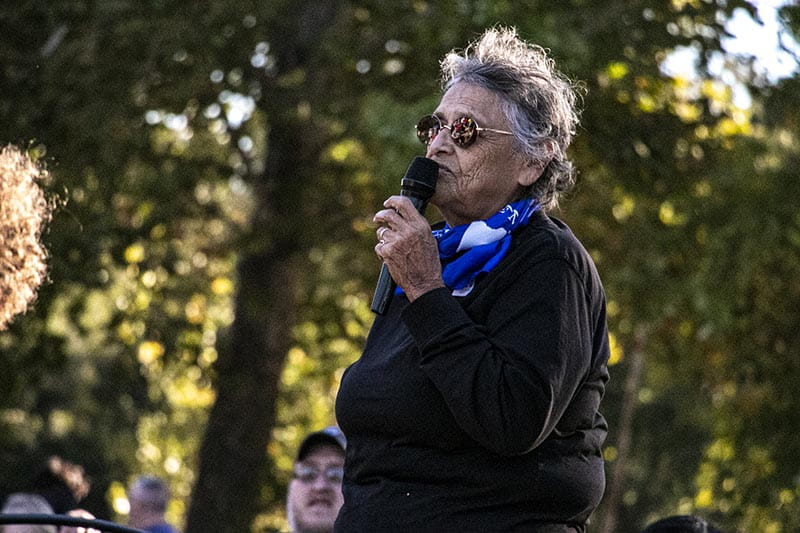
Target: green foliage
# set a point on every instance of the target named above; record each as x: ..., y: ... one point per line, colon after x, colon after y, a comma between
x: 164, y: 124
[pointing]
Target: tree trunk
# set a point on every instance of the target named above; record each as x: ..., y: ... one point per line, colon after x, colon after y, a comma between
x: 633, y: 381
x: 233, y: 454
x: 233, y: 457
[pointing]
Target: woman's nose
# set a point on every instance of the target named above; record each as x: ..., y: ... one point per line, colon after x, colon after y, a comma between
x: 440, y: 143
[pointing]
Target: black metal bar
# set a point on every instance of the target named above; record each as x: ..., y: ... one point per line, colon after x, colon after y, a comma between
x: 64, y: 520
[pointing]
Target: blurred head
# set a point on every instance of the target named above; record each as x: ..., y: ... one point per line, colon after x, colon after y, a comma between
x: 148, y: 497
x: 62, y: 483
x: 681, y: 524
x: 315, y: 492
x: 24, y: 503
x: 535, y: 103
x: 24, y: 212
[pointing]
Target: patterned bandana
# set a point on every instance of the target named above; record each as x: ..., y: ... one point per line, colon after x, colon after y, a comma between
x: 470, y: 249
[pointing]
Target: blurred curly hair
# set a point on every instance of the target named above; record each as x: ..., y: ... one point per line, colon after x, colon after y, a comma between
x: 62, y: 483
x: 25, y: 211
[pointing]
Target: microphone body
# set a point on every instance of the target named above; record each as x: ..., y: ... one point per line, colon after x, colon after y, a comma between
x: 418, y: 184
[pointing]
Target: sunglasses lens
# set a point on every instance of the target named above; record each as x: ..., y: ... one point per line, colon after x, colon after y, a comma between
x: 427, y: 128
x: 464, y: 131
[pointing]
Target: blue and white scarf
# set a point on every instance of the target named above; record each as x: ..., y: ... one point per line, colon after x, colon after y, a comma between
x: 470, y: 249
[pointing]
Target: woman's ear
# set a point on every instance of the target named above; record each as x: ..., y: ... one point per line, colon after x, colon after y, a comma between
x: 531, y: 173
x: 535, y: 167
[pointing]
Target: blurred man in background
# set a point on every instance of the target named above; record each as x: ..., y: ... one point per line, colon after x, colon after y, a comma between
x: 315, y: 492
x: 148, y: 497
x: 27, y: 503
x: 57, y: 487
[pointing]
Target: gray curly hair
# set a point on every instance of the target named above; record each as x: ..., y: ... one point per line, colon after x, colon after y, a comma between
x: 539, y: 101
x: 24, y: 212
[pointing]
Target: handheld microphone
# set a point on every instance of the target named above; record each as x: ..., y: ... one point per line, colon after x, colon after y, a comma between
x: 418, y: 184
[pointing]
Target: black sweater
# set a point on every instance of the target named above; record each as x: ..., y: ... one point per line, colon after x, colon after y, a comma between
x: 481, y: 413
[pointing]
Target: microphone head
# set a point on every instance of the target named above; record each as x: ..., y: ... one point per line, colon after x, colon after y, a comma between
x: 420, y: 178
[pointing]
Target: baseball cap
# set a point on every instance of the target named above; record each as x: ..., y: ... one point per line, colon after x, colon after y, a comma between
x: 329, y: 435
x: 681, y: 524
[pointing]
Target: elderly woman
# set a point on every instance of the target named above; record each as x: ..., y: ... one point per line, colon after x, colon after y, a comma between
x: 474, y: 406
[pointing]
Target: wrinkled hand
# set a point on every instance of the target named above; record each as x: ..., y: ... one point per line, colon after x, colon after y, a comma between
x: 407, y: 247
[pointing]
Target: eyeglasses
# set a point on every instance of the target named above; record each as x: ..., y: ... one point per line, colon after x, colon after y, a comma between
x: 463, y: 130
x: 309, y: 474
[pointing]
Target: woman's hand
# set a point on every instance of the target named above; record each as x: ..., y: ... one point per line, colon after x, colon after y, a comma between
x: 407, y: 247
x: 80, y: 513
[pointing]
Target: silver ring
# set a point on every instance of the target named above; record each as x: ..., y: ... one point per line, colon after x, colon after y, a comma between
x: 381, y: 231
x: 381, y: 242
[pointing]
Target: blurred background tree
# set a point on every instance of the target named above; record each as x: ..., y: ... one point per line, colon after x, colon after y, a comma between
x: 213, y: 266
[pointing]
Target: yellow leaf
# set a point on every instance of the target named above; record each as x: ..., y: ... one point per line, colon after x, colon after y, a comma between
x: 126, y: 333
x: 610, y: 453
x: 688, y: 112
x: 222, y: 286
x: 149, y: 351
x: 646, y: 103
x: 617, y: 70
x: 615, y: 348
x: 345, y: 149
x: 119, y: 499
x: 134, y: 253
x: 624, y: 208
x: 669, y: 216
x: 195, y: 309
x: 704, y: 498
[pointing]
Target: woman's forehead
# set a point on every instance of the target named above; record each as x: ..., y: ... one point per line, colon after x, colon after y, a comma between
x: 468, y: 99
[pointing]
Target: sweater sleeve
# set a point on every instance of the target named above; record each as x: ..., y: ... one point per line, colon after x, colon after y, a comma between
x: 508, y: 376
